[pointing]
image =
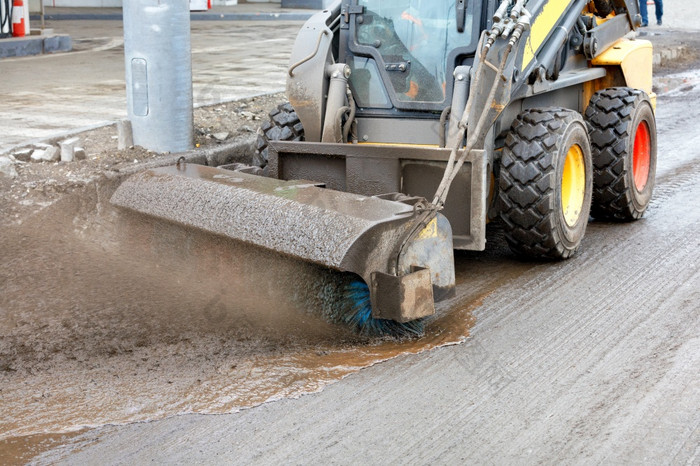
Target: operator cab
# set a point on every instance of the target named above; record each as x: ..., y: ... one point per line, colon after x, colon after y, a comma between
x: 403, y: 53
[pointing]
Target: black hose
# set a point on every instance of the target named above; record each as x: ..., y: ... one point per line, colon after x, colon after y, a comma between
x: 581, y: 26
x: 351, y: 117
x: 443, y: 125
x: 339, y: 123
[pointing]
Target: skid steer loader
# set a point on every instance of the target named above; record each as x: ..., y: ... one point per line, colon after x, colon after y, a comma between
x: 412, y: 123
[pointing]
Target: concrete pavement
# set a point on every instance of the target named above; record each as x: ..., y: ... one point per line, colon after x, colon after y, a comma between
x: 46, y: 96
x: 560, y: 368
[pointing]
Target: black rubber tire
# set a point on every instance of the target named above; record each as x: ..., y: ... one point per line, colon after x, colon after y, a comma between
x: 284, y: 125
x: 614, y: 116
x: 530, y: 183
x: 603, y: 7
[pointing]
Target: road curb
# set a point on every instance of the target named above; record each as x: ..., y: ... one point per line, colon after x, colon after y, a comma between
x: 666, y: 55
x: 238, y: 151
x: 35, y: 45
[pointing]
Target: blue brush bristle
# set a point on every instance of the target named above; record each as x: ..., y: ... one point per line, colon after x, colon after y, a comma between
x: 358, y: 314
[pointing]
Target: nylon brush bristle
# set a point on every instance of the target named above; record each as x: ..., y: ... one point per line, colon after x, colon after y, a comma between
x: 356, y: 311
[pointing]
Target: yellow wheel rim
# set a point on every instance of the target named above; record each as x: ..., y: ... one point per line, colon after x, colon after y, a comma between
x: 573, y: 185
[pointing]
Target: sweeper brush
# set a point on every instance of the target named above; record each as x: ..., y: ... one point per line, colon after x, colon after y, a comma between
x: 403, y: 256
x: 345, y: 300
x: 411, y: 124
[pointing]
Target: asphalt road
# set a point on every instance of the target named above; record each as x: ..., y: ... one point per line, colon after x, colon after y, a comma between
x: 593, y: 360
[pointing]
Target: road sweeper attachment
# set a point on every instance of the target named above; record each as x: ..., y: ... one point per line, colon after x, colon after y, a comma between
x: 404, y: 256
x: 412, y: 123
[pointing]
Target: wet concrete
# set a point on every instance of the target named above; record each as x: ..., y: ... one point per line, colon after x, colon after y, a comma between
x: 590, y: 360
x: 110, y: 317
x: 18, y: 450
x: 230, y: 60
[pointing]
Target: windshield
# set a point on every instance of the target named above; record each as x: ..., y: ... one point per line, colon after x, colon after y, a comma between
x: 414, y: 39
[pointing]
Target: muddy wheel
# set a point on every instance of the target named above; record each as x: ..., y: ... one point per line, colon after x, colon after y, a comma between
x: 284, y: 125
x: 545, y: 183
x: 623, y: 139
x: 603, y: 7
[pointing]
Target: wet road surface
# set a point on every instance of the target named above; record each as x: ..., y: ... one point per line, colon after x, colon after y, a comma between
x: 592, y: 360
x: 229, y: 61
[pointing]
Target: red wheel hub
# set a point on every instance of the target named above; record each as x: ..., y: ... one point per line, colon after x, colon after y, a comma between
x: 641, y: 156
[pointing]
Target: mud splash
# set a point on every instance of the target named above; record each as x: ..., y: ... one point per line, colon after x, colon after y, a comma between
x: 67, y: 399
x: 19, y: 450
x: 104, y: 325
x: 143, y: 397
x: 308, y: 370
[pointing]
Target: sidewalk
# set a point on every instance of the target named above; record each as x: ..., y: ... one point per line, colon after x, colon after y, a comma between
x: 678, y: 14
x: 48, y: 95
x: 242, y: 12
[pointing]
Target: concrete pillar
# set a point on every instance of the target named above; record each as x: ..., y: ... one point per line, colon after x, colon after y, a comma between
x: 159, y: 73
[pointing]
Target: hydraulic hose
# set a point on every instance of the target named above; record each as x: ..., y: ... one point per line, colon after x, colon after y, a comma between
x: 443, y: 125
x: 351, y: 116
x: 454, y: 164
x: 458, y: 156
x: 453, y: 169
x: 339, y: 123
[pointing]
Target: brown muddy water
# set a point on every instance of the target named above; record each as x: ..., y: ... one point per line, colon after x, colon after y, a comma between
x: 109, y: 318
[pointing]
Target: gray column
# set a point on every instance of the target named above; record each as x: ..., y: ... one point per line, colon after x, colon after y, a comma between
x: 159, y: 73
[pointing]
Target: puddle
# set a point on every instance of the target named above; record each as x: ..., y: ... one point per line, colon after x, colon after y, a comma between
x: 68, y: 398
x: 19, y: 450
x: 677, y: 84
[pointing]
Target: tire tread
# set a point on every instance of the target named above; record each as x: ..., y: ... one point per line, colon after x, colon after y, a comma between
x: 526, y: 185
x: 283, y: 125
x: 603, y: 7
x: 609, y: 117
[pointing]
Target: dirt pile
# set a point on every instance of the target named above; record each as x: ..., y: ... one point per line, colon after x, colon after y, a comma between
x: 31, y: 186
